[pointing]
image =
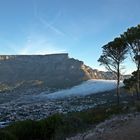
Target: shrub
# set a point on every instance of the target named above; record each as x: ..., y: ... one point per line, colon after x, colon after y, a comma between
x: 28, y: 130
x: 58, y: 126
x: 5, y: 135
x: 137, y: 105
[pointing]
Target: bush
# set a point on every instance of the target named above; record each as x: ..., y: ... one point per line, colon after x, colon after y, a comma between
x: 58, y: 127
x: 49, y: 126
x: 5, y: 135
x: 28, y: 130
x: 137, y: 105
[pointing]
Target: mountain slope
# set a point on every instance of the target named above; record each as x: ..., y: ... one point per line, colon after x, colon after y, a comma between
x: 54, y: 71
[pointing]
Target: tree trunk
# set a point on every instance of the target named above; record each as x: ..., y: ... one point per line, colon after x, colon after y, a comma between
x: 138, y: 80
x: 118, y: 83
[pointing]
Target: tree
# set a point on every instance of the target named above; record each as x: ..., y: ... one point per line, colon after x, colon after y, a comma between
x: 131, y: 83
x: 114, y: 53
x: 132, y: 39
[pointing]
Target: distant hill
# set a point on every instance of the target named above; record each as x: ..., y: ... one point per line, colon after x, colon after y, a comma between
x: 54, y: 70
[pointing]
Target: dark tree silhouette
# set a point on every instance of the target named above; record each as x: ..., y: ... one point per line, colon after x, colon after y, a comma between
x: 132, y: 39
x: 131, y: 83
x: 114, y: 53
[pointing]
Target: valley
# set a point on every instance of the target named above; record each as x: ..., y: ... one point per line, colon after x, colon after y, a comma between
x: 35, y: 106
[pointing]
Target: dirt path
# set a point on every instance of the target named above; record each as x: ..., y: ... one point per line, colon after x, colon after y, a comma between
x: 130, y: 130
x: 125, y: 127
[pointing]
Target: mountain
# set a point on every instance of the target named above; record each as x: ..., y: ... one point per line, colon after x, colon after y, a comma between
x: 54, y: 71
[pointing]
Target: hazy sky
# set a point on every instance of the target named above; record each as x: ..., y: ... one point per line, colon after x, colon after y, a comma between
x: 79, y: 27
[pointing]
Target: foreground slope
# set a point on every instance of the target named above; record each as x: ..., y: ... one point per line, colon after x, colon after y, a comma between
x: 122, y: 127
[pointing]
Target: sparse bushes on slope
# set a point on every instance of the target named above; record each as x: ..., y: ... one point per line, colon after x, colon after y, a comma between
x: 58, y: 127
x: 131, y: 84
x: 5, y: 135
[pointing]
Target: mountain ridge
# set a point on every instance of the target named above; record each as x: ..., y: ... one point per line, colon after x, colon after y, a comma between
x: 52, y: 70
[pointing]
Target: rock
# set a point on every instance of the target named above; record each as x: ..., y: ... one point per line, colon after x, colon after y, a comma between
x: 54, y: 71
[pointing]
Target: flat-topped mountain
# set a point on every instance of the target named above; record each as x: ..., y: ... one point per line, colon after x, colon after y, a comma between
x: 54, y: 70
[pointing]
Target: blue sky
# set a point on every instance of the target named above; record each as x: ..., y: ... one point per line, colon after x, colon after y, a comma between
x: 79, y: 27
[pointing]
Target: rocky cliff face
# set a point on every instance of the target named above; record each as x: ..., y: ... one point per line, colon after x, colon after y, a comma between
x: 55, y: 70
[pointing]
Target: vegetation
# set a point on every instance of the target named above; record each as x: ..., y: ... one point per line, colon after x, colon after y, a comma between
x: 132, y: 39
x: 131, y: 84
x: 58, y: 126
x: 114, y: 53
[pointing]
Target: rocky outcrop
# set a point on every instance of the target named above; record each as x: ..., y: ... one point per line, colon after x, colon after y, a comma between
x: 96, y: 74
x: 55, y: 70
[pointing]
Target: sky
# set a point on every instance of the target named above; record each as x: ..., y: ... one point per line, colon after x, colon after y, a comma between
x: 77, y: 27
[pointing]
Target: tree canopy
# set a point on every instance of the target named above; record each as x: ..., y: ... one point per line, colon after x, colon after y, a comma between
x: 114, y: 53
x: 132, y: 39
